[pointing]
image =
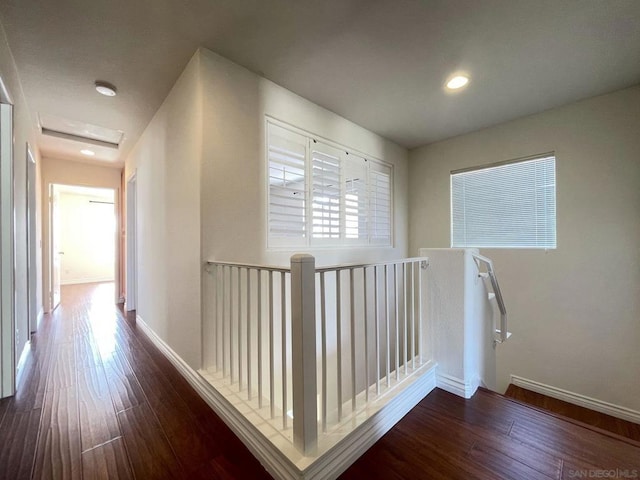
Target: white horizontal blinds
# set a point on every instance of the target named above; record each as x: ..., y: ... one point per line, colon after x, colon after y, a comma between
x: 287, y: 152
x: 379, y: 204
x: 355, y: 199
x: 326, y: 196
x: 510, y: 206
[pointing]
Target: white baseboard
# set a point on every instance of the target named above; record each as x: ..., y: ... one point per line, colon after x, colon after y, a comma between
x: 23, y: 358
x: 333, y: 462
x: 76, y: 281
x: 456, y: 385
x: 340, y: 457
x: 270, y: 457
x: 578, y: 399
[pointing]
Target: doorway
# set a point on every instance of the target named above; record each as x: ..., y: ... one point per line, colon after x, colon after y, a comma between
x: 7, y: 254
x: 83, y: 237
x: 132, y: 254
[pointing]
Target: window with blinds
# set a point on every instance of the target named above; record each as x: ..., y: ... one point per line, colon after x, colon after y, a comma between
x: 320, y: 193
x: 287, y: 152
x: 327, y: 195
x: 380, y: 204
x: 511, y: 205
x: 356, y: 199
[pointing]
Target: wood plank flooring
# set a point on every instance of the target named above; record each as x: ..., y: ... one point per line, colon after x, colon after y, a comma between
x: 97, y: 400
x: 584, y: 415
x: 492, y: 437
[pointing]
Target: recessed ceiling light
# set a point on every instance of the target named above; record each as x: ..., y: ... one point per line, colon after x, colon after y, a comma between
x: 457, y: 82
x: 87, y: 152
x: 106, y: 89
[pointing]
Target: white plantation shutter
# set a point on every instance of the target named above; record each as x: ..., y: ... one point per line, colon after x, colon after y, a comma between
x: 379, y: 204
x: 505, y: 206
x: 326, y: 199
x: 321, y: 193
x: 287, y: 153
x: 355, y: 199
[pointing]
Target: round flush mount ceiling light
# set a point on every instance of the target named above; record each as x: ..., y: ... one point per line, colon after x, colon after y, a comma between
x: 105, y: 89
x: 87, y: 152
x: 457, y: 82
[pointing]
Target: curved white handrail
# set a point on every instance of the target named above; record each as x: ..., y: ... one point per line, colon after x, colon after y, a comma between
x: 501, y: 335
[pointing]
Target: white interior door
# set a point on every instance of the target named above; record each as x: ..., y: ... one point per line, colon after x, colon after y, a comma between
x: 56, y: 254
x: 7, y: 298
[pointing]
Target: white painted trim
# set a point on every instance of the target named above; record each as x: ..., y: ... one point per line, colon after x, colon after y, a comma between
x: 23, y: 357
x: 8, y: 328
x: 340, y: 457
x: 271, y: 458
x: 40, y: 316
x: 77, y: 281
x: 578, y: 399
x: 131, y: 248
x: 456, y: 385
x: 333, y: 462
x: 5, y: 96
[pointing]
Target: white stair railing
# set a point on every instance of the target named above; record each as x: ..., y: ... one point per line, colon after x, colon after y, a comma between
x: 371, y: 333
x: 501, y: 334
x: 246, y: 333
x: 261, y: 337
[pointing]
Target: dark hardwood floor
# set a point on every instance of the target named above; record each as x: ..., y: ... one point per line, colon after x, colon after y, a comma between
x: 491, y: 437
x: 584, y: 415
x: 97, y: 400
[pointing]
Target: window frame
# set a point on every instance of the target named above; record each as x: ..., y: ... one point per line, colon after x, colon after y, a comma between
x: 308, y: 241
x: 531, y: 158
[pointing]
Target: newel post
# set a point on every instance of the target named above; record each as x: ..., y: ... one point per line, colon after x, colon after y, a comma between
x: 303, y: 350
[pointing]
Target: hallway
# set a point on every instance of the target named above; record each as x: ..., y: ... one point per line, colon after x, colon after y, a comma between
x: 97, y: 400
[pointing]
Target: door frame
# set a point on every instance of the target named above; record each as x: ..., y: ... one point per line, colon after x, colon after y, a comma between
x: 116, y: 237
x: 131, y: 244
x: 51, y: 191
x: 7, y: 250
x: 32, y: 247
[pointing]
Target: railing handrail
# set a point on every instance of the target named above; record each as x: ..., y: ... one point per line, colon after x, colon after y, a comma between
x: 268, y: 268
x: 330, y: 268
x: 497, y: 292
x: 236, y: 319
x: 350, y: 266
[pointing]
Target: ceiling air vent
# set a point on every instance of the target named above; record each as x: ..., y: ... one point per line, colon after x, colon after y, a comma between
x: 80, y: 131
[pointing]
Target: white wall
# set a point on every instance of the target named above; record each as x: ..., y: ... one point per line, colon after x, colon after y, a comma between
x: 573, y: 311
x: 166, y: 162
x: 236, y: 103
x: 200, y: 169
x: 234, y: 162
x: 67, y: 172
x: 24, y: 131
x: 87, y: 229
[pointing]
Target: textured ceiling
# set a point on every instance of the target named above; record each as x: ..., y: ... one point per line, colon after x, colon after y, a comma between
x: 379, y: 63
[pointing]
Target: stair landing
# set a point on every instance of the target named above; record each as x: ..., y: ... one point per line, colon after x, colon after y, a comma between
x: 491, y: 436
x: 581, y: 414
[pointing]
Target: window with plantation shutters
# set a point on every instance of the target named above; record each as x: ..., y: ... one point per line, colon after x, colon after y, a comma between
x: 321, y: 193
x: 510, y: 205
x: 326, y: 167
x: 355, y: 199
x: 380, y: 204
x: 287, y: 152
